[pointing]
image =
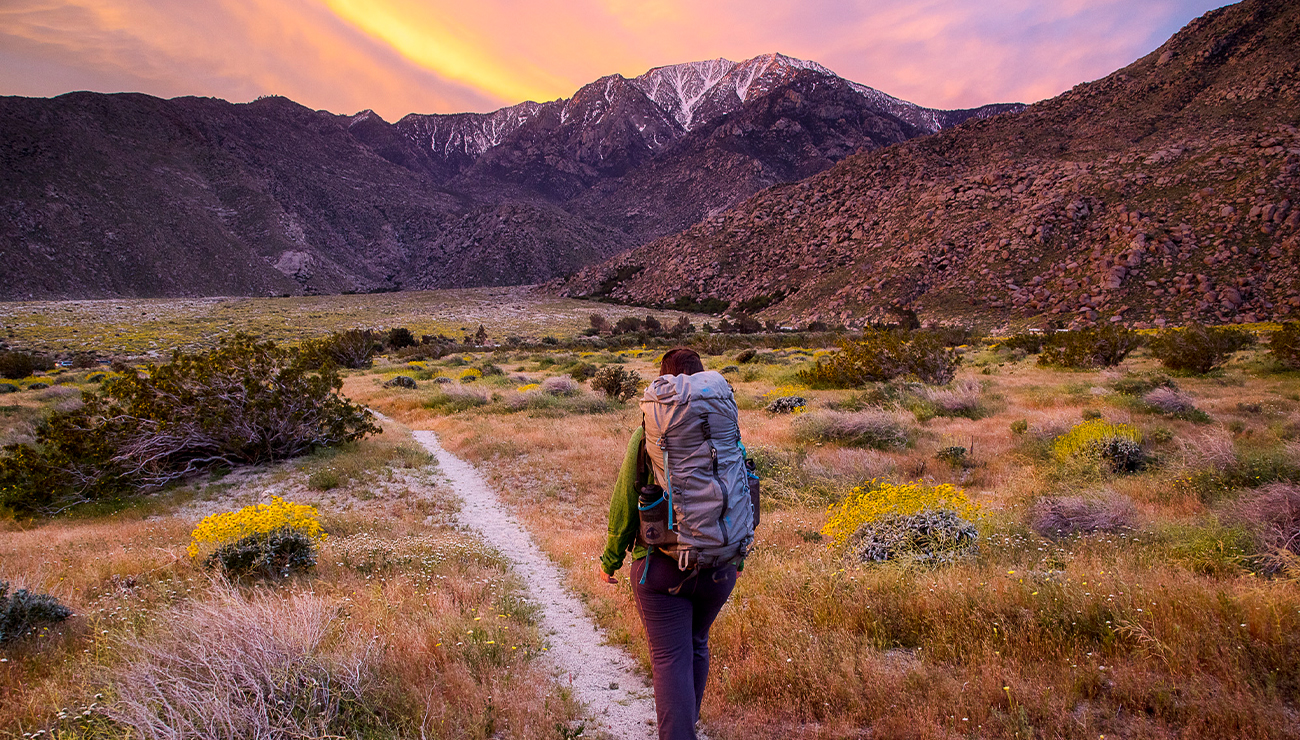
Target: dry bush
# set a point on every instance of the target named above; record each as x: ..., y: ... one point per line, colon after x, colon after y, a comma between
x: 1211, y: 450
x: 1066, y: 515
x: 850, y: 465
x: 961, y: 398
x: 1272, y: 514
x: 877, y: 429
x: 242, y: 668
x: 560, y: 385
x: 1169, y: 401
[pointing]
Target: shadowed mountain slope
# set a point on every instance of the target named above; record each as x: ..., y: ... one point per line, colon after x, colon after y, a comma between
x: 1166, y: 191
x: 131, y: 195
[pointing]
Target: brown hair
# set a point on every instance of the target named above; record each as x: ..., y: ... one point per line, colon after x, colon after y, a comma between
x: 681, y: 361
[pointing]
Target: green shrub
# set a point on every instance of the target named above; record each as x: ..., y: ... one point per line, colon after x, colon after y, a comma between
x: 616, y: 382
x: 453, y: 399
x: 271, y: 554
x: 746, y: 355
x: 1103, y: 346
x: 1284, y: 345
x: 323, y: 480
x: 244, y: 403
x: 582, y: 371
x: 1031, y: 343
x: 954, y: 455
x: 8, y: 388
x: 1197, y: 348
x: 22, y: 613
x: 1019, y: 426
x: 399, y: 337
x: 1134, y: 384
x: 15, y: 365
x: 1214, y: 550
x: 354, y: 348
x: 882, y: 355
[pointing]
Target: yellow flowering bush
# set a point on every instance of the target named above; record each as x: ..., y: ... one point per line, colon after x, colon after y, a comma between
x: 785, y: 390
x: 1119, y: 446
x: 1091, y: 437
x: 529, y: 387
x: 471, y: 373
x: 256, y: 520
x: 878, y: 499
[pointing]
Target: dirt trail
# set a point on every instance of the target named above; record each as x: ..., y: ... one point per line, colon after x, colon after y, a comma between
x: 602, y: 677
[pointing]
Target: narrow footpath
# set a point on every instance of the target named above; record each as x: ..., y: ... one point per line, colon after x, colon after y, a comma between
x: 603, y: 677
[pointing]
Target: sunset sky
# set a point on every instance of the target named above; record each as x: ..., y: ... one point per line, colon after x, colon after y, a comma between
x: 440, y: 56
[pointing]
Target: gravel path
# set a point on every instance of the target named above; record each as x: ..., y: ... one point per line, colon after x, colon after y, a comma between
x: 603, y: 677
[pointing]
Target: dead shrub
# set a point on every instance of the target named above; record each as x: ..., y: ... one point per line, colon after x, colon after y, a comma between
x: 1213, y: 450
x: 241, y: 668
x: 1062, y: 516
x: 1272, y: 514
x: 958, y: 399
x: 1170, y: 402
x: 560, y: 385
x: 877, y: 429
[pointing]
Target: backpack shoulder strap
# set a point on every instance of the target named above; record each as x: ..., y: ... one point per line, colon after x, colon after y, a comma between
x: 642, y: 460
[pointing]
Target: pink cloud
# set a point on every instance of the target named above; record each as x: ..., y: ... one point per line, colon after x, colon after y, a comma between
x: 399, y: 56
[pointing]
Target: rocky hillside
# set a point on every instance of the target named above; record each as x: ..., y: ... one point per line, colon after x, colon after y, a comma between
x: 130, y: 195
x: 1166, y: 191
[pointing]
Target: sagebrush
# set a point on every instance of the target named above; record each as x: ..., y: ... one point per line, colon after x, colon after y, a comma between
x: 245, y: 403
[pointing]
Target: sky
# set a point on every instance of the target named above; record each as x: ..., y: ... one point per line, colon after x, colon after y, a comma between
x: 446, y: 56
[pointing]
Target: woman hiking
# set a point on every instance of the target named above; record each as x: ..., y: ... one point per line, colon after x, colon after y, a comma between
x: 684, y: 508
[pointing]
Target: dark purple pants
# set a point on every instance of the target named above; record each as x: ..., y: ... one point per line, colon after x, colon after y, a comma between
x: 677, y: 609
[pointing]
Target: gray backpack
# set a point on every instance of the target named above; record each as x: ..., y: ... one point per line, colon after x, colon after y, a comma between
x: 702, y: 510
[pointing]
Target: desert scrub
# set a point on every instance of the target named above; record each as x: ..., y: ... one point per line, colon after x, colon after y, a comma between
x: 883, y: 355
x: 1062, y: 516
x: 247, y: 402
x: 469, y: 375
x: 25, y: 613
x: 928, y: 537
x: 451, y: 399
x: 880, y: 430
x: 878, y: 499
x: 1103, y: 346
x: 1169, y: 402
x: 787, y: 405
x: 1284, y: 345
x: 616, y: 382
x: 1118, y: 445
x: 1196, y: 348
x: 1140, y: 384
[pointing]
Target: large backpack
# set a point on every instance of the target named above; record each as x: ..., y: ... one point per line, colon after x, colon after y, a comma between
x: 692, y: 441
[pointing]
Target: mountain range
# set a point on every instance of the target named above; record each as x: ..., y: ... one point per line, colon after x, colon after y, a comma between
x: 110, y: 195
x: 1165, y: 192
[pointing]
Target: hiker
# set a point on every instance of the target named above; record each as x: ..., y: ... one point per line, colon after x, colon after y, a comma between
x: 685, y: 504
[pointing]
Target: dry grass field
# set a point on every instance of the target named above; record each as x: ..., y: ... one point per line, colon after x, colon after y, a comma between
x: 408, y: 625
x: 1145, y: 604
x: 141, y: 327
x: 1165, y: 621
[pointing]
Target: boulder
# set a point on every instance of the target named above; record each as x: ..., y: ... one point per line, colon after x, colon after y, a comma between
x: 401, y: 381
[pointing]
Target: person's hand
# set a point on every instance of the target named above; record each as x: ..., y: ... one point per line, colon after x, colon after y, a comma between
x: 605, y: 577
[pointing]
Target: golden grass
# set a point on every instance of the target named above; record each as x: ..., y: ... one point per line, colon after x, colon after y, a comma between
x: 450, y: 642
x: 1105, y: 634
